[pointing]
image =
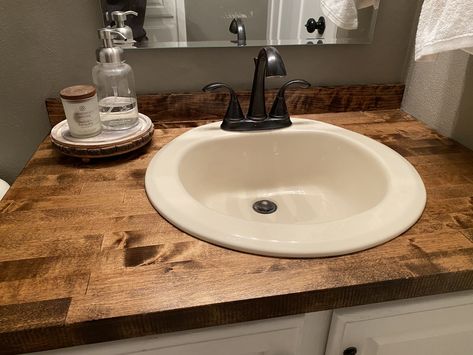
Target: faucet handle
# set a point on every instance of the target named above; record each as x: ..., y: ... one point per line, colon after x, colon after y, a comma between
x: 279, y: 108
x: 234, y: 111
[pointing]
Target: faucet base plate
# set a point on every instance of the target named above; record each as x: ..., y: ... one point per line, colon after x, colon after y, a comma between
x: 252, y: 125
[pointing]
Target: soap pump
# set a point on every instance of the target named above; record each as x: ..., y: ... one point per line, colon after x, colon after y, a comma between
x: 119, y: 17
x: 115, y: 84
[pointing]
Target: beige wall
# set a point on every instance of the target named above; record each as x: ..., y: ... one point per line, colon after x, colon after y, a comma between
x: 44, y: 46
x: 440, y: 93
x: 48, y: 45
x: 463, y: 128
x: 208, y: 20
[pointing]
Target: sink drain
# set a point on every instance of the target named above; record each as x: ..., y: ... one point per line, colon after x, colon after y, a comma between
x: 265, y: 206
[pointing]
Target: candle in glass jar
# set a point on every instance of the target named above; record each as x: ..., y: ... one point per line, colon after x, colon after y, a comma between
x: 82, y: 110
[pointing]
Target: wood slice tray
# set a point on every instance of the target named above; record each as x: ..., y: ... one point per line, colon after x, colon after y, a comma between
x: 106, y: 144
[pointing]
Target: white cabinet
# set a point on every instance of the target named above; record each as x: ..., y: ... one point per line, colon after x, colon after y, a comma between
x: 435, y: 325
x: 304, y: 334
x: 440, y: 325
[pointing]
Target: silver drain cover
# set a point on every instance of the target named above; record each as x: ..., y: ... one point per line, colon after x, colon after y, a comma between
x: 265, y: 206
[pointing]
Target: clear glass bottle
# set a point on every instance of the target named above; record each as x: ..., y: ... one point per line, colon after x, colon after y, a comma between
x: 115, y: 85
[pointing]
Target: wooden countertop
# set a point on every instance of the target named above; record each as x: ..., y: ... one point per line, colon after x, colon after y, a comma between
x: 85, y: 258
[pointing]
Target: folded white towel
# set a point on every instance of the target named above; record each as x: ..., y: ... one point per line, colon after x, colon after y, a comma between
x: 344, y: 13
x: 444, y: 25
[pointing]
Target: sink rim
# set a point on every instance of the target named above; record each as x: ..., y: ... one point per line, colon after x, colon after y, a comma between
x: 336, y: 237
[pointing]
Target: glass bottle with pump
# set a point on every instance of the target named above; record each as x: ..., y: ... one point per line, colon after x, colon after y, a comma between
x: 119, y: 17
x: 115, y: 84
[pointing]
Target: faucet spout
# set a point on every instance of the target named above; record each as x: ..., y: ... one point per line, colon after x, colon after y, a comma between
x: 238, y: 27
x: 268, y: 63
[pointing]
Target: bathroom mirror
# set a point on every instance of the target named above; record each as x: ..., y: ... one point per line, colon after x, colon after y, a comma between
x: 233, y: 23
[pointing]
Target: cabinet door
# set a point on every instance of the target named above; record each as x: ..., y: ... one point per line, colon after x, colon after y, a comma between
x: 294, y: 335
x: 281, y: 342
x: 441, y: 325
x: 165, y: 20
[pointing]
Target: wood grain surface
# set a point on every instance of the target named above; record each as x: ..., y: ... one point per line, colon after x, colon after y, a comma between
x: 183, y: 110
x: 85, y: 258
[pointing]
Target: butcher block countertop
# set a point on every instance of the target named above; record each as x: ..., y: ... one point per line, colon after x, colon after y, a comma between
x: 85, y: 258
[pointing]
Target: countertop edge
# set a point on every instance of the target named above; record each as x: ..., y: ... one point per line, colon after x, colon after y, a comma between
x: 117, y: 328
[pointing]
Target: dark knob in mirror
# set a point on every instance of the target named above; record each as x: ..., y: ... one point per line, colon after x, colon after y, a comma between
x: 350, y: 351
x: 313, y: 25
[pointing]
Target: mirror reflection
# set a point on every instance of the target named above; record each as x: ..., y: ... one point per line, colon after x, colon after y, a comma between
x: 229, y: 23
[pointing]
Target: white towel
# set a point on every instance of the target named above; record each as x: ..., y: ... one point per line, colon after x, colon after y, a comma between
x: 344, y: 13
x: 3, y: 188
x: 444, y: 25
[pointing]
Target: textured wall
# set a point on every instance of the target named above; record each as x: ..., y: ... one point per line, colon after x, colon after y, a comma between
x: 47, y: 45
x: 208, y: 20
x: 440, y: 93
x: 463, y: 128
x: 44, y: 46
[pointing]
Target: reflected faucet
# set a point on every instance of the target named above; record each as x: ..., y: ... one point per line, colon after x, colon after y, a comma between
x: 268, y: 63
x: 238, y: 27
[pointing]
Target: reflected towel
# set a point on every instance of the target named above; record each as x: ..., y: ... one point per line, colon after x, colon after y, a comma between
x: 3, y: 188
x: 444, y: 25
x: 344, y: 13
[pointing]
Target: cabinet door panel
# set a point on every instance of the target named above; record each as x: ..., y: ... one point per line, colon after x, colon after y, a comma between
x: 281, y: 342
x: 448, y: 341
x: 441, y: 325
x: 293, y: 335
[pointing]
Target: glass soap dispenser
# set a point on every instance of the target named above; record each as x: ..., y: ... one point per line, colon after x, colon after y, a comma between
x: 115, y: 84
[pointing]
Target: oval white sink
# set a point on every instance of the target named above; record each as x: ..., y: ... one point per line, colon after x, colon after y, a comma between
x: 336, y: 191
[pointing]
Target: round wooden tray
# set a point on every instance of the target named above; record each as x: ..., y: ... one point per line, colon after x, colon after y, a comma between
x: 106, y: 144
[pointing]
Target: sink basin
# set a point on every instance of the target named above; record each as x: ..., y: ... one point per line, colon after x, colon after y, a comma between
x: 320, y: 190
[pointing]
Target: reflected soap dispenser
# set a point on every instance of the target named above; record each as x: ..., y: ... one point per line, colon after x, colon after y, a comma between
x: 119, y: 17
x: 115, y: 84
